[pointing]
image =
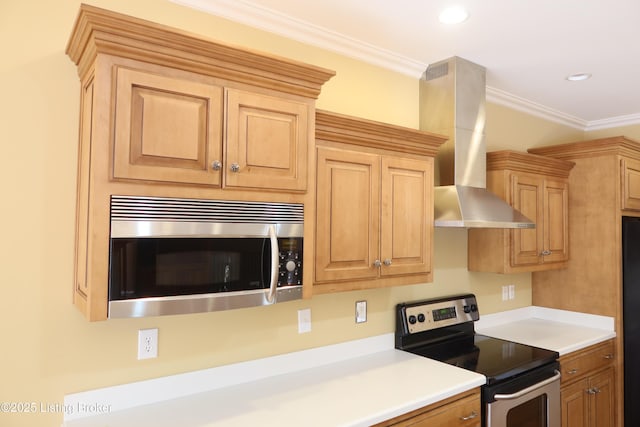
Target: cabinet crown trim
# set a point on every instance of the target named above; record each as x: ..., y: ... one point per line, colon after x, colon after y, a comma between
x: 345, y: 129
x: 529, y: 163
x: 99, y: 31
x: 617, y: 145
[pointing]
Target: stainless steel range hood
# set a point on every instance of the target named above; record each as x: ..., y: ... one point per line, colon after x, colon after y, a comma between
x: 452, y: 102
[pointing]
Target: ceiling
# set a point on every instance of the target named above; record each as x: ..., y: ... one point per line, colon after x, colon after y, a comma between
x: 527, y: 46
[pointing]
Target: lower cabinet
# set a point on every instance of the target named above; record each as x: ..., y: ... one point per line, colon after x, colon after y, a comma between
x: 587, y: 391
x: 462, y: 410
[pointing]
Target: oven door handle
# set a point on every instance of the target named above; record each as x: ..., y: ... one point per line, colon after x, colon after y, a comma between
x: 528, y: 389
x: 275, y: 264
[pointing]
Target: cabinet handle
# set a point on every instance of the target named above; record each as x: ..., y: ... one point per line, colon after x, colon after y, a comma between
x: 235, y: 167
x: 471, y: 416
x: 377, y: 263
x: 545, y: 252
x: 591, y: 391
x: 572, y: 371
x: 216, y: 165
x: 608, y: 356
x: 387, y: 262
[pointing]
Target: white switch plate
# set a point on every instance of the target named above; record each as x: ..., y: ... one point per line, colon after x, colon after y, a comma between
x: 304, y: 320
x: 505, y: 293
x: 361, y: 311
x: 512, y: 291
x: 147, y: 343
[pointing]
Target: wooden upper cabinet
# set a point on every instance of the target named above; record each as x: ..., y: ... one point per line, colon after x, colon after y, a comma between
x: 374, y: 211
x: 267, y: 141
x: 167, y: 113
x: 630, y: 184
x: 537, y: 187
x: 166, y: 128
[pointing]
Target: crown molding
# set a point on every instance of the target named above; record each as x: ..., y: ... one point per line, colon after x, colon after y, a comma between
x: 501, y: 97
x: 275, y: 22
x: 269, y: 20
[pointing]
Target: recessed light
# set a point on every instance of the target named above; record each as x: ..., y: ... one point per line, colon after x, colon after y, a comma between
x: 453, y: 15
x: 578, y: 77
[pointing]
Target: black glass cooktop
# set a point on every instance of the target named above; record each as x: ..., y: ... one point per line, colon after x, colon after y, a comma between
x: 494, y: 358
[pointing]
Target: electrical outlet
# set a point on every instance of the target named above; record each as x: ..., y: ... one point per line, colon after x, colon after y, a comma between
x: 304, y: 320
x: 147, y: 343
x: 512, y: 292
x: 361, y: 311
x: 505, y: 293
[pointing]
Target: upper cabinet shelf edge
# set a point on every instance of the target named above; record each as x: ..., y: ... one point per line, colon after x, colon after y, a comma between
x: 98, y: 30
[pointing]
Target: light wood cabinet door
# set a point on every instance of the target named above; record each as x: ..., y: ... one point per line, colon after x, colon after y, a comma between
x: 348, y: 211
x: 630, y: 182
x: 602, y: 403
x: 407, y: 216
x: 528, y: 198
x: 556, y: 221
x: 166, y: 129
x: 574, y: 404
x: 266, y: 141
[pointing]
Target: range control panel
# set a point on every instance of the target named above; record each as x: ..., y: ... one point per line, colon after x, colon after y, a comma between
x: 425, y: 315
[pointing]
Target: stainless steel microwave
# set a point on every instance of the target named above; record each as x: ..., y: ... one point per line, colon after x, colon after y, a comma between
x: 176, y: 256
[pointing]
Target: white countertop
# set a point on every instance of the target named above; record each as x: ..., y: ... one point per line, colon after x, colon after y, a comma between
x: 359, y: 391
x: 358, y: 383
x: 558, y: 330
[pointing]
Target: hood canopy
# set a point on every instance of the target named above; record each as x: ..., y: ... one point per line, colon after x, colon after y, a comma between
x: 452, y: 102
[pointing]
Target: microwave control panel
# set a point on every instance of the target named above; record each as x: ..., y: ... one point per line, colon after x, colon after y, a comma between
x: 290, y: 273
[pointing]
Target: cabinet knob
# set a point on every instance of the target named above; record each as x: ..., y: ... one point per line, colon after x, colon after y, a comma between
x: 471, y: 416
x: 545, y: 252
x: 387, y: 262
x: 216, y: 165
x: 377, y: 263
x: 235, y: 167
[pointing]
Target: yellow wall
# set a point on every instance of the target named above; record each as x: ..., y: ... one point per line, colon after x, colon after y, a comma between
x: 48, y: 349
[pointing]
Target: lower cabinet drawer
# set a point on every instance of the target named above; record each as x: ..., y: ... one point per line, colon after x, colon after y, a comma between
x: 459, y: 411
x: 580, y: 363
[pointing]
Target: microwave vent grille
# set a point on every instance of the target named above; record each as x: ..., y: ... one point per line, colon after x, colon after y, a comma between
x: 135, y: 208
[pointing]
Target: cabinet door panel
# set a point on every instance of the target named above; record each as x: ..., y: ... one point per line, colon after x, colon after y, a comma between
x: 527, y: 198
x: 267, y: 138
x: 574, y: 407
x: 407, y: 220
x: 556, y: 233
x: 348, y: 210
x: 602, y: 402
x: 166, y: 129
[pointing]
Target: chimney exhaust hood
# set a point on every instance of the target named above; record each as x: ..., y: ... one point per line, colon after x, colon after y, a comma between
x: 452, y: 103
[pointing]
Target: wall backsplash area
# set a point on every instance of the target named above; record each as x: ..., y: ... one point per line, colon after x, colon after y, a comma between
x: 49, y: 349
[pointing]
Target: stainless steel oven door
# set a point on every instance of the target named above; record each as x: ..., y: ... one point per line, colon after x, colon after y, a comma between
x: 534, y: 406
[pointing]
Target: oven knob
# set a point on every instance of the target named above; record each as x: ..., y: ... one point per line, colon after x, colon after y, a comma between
x: 421, y: 317
x: 467, y: 309
x: 412, y: 319
x: 474, y: 308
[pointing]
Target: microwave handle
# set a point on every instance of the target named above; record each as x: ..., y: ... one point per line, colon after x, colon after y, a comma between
x: 275, y: 264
